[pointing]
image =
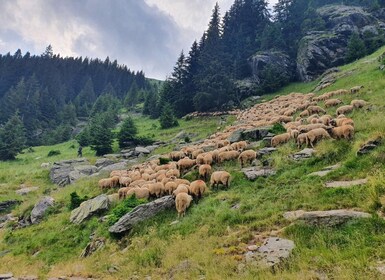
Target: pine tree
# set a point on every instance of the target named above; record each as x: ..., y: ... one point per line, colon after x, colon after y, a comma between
x: 167, y: 118
x: 101, y: 136
x: 12, y: 138
x: 127, y: 133
x: 356, y: 48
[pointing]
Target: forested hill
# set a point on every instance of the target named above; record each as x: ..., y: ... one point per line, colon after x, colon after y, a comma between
x: 252, y: 50
x: 51, y: 93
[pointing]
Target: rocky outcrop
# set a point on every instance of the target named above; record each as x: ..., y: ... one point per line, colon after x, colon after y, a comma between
x: 304, y: 154
x: 321, y: 50
x: 252, y: 173
x: 325, y: 218
x: 141, y: 213
x: 41, y: 208
x: 369, y: 146
x: 88, y: 208
x: 68, y: 171
x: 279, y: 61
x: 255, y: 134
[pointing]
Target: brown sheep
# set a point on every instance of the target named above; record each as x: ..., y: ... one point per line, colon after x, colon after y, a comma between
x: 125, y: 181
x: 316, y: 134
x: 182, y: 188
x: 301, y: 139
x: 342, y: 132
x: 220, y: 177
x: 204, y: 171
x: 156, y: 189
x: 208, y: 158
x: 185, y: 164
x: 304, y: 113
x: 169, y: 187
x: 230, y: 155
x: 356, y: 89
x: 344, y: 109
x: 358, y: 103
x: 308, y: 127
x: 122, y: 192
x: 316, y: 110
x: 195, y: 153
x: 182, y: 181
x: 140, y: 193
x: 197, y: 188
x: 280, y: 139
x: 325, y: 119
x: 332, y: 102
x: 182, y: 202
x: 247, y: 156
x: 177, y: 155
x: 342, y: 121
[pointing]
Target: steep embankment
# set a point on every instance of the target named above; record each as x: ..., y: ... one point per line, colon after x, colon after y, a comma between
x: 211, y: 241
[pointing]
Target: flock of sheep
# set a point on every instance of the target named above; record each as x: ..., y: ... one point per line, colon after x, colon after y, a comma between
x: 150, y: 179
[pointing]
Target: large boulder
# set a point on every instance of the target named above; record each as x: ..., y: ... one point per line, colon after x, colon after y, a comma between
x: 279, y: 61
x: 141, y: 213
x: 68, y: 171
x: 88, y: 208
x: 116, y: 166
x: 321, y: 50
x: 41, y: 208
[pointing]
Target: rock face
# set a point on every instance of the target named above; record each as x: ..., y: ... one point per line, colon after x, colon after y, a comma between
x: 273, y: 251
x: 255, y: 134
x: 40, y: 208
x: 369, y: 146
x: 304, y: 154
x: 253, y: 173
x: 88, y: 208
x: 320, y: 50
x: 325, y: 218
x: 68, y: 171
x: 141, y: 213
x: 280, y: 61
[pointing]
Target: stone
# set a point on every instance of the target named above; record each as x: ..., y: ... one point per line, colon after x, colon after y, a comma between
x: 41, y: 208
x: 266, y: 151
x: 116, y: 166
x: 252, y: 248
x: 151, y: 148
x: 141, y: 213
x: 369, y: 146
x: 255, y: 134
x: 93, y: 246
x: 86, y: 169
x: 325, y: 218
x: 235, y: 136
x: 346, y: 184
x: 174, y: 223
x: 113, y: 156
x: 26, y: 190
x: 304, y: 154
x: 8, y: 204
x: 253, y: 173
x: 325, y: 171
x: 103, y: 162
x: 6, y: 276
x: 60, y: 171
x: 88, y: 208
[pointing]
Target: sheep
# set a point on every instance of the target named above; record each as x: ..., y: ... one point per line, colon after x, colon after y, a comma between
x: 182, y: 202
x: 125, y: 181
x: 173, y: 172
x: 155, y: 189
x: 182, y: 181
x: 241, y: 145
x: 195, y: 153
x: 122, y: 192
x: 280, y: 139
x: 109, y: 182
x: 204, y: 171
x: 304, y: 113
x: 332, y: 103
x: 140, y: 193
x: 208, y: 158
x: 345, y: 132
x: 315, y: 110
x: 169, y: 187
x: 310, y: 118
x: 325, y: 119
x: 177, y: 155
x: 220, y: 177
x: 197, y: 188
x: 308, y: 127
x: 358, y: 103
x: 356, y: 89
x: 316, y: 134
x: 342, y: 121
x: 294, y: 133
x: 247, y: 156
x: 182, y: 188
x: 185, y: 164
x: 230, y: 155
x: 344, y: 109
x: 301, y: 139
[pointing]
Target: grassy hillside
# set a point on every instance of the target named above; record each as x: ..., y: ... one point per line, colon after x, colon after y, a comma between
x: 214, y: 234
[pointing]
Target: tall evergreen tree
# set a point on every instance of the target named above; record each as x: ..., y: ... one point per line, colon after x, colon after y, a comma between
x: 127, y: 133
x: 101, y: 136
x: 12, y: 138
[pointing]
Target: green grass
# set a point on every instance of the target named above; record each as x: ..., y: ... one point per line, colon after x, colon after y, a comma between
x: 214, y: 234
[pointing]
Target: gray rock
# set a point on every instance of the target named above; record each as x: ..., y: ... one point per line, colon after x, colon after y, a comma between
x: 255, y: 134
x: 369, y: 146
x: 141, y: 213
x: 40, y: 208
x: 304, y: 154
x: 60, y: 171
x: 116, y: 166
x: 75, y: 175
x: 346, y: 184
x: 236, y: 136
x: 266, y: 151
x: 151, y: 148
x: 86, y: 169
x: 279, y: 60
x: 113, y: 156
x: 253, y: 173
x: 129, y: 154
x: 26, y: 190
x: 93, y: 246
x: 88, y: 208
x: 103, y: 162
x: 6, y: 276
x: 325, y: 171
x: 325, y: 218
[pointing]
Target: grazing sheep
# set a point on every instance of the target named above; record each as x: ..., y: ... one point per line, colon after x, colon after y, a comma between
x: 177, y: 155
x: 247, y: 156
x: 182, y: 181
x: 332, y: 102
x: 356, y: 89
x: 220, y: 177
x: 304, y: 113
x: 182, y: 188
x: 344, y: 109
x: 342, y: 132
x: 315, y: 135
x: 342, y: 121
x: 197, y: 188
x: 125, y: 181
x: 182, y: 202
x: 325, y: 119
x: 294, y: 133
x: 169, y: 187
x: 280, y: 139
x: 155, y: 189
x: 315, y: 110
x: 204, y: 171
x: 356, y: 103
x: 208, y: 158
x: 230, y: 155
x: 195, y: 153
x: 310, y: 118
x: 140, y: 193
x: 122, y: 192
x: 301, y: 139
x: 308, y: 127
x: 184, y: 164
x: 172, y: 172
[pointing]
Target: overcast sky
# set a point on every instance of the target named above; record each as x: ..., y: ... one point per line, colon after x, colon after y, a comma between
x: 145, y: 35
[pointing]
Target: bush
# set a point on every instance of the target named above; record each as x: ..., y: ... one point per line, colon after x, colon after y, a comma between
x: 53, y: 153
x: 123, y: 208
x: 76, y: 200
x: 277, y: 129
x: 164, y: 160
x: 187, y: 139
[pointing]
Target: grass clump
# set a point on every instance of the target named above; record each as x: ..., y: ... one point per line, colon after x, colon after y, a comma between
x: 123, y: 208
x: 52, y: 153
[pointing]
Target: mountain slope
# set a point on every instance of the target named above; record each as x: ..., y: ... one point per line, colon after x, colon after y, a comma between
x: 210, y: 241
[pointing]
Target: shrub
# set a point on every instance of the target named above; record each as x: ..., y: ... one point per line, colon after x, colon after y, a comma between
x: 53, y: 153
x: 277, y: 129
x: 187, y: 139
x: 164, y: 160
x: 123, y: 208
x: 76, y: 200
